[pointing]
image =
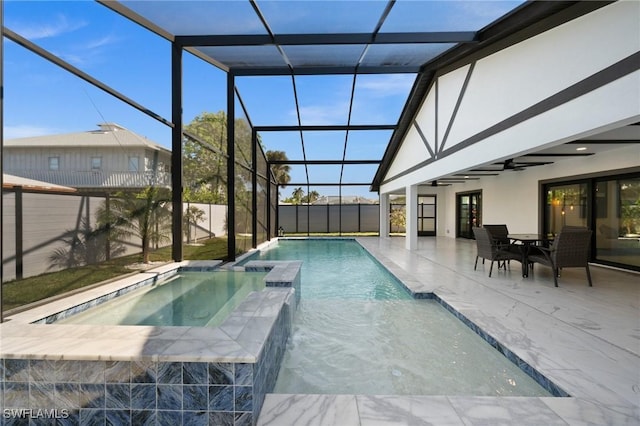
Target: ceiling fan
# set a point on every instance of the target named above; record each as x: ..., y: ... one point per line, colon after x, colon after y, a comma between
x: 517, y: 166
x: 509, y: 164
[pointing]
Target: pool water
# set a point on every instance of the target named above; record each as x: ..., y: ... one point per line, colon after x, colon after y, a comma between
x: 196, y: 299
x: 336, y: 268
x: 358, y: 331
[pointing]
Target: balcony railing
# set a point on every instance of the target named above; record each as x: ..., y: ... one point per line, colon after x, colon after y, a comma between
x: 97, y: 179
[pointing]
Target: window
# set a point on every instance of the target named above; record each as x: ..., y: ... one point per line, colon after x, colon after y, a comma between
x: 96, y: 163
x: 608, y: 205
x: 134, y: 164
x: 567, y: 204
x: 426, y: 215
x: 617, y: 223
x: 54, y: 163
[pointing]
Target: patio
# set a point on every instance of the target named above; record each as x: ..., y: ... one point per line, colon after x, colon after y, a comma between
x: 585, y: 339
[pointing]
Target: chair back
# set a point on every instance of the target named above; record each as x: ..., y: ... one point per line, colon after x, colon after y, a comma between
x: 571, y: 248
x: 498, y: 232
x: 486, y: 247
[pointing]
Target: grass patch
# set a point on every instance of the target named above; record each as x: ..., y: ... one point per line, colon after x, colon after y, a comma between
x: 22, y: 292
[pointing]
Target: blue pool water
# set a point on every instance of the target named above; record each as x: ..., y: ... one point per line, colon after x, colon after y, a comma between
x: 334, y: 268
x: 196, y: 299
x: 358, y: 331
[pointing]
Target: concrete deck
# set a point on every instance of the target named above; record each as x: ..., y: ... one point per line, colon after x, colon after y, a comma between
x: 584, y: 339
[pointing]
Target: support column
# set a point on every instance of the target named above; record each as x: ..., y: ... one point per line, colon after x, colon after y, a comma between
x: 1, y: 150
x: 19, y: 214
x: 231, y: 168
x: 384, y: 215
x: 254, y: 190
x: 411, y: 226
x: 176, y: 152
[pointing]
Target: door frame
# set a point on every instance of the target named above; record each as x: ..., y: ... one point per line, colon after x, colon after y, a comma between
x: 434, y: 217
x: 478, y: 215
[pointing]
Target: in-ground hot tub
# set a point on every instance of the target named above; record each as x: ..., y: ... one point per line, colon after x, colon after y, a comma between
x: 141, y: 373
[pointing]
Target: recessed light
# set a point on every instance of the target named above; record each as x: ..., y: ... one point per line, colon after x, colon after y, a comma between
x: 582, y: 148
x: 466, y: 177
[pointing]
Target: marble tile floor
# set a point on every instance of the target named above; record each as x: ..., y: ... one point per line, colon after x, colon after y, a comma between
x: 585, y: 339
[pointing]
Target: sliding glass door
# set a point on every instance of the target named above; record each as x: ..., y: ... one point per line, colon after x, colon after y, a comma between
x: 610, y: 206
x: 617, y: 222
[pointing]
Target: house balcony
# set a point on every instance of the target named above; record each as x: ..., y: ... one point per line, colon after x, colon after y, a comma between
x: 97, y: 179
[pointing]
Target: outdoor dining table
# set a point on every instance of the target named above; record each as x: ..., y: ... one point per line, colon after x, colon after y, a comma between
x: 527, y: 241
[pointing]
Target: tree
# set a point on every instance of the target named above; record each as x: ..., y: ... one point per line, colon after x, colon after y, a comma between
x: 297, y: 195
x: 204, y: 159
x: 205, y: 156
x: 144, y: 214
x: 280, y: 171
x: 398, y: 218
x: 311, y: 197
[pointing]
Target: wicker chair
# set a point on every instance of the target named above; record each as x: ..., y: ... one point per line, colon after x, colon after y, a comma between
x: 499, y: 233
x: 570, y: 249
x: 491, y: 250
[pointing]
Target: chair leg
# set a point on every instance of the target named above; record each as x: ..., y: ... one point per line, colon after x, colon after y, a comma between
x: 555, y: 276
x: 476, y: 264
x: 491, y: 268
x: 589, y: 276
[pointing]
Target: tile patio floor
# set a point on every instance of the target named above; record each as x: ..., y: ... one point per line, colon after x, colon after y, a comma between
x: 585, y: 339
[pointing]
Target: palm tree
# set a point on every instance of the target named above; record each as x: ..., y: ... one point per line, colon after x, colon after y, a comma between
x: 311, y: 197
x: 280, y: 171
x: 144, y: 215
x: 297, y: 195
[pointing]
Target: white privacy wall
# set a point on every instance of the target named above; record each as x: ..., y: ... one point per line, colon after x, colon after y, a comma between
x: 509, y: 82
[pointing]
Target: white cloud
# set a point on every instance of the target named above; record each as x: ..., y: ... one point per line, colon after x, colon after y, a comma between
x: 60, y: 24
x: 89, y: 53
x: 386, y: 85
x: 27, y: 131
x: 323, y: 114
x: 104, y: 41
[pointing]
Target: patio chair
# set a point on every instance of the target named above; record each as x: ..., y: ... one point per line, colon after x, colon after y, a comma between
x: 570, y: 249
x: 499, y: 233
x: 490, y: 249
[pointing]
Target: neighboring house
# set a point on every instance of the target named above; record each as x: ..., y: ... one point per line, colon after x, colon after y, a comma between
x: 110, y: 157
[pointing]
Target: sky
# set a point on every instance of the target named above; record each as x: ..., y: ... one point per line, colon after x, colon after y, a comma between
x: 41, y: 98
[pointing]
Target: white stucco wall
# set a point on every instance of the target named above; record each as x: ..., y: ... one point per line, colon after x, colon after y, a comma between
x: 512, y: 197
x: 507, y: 82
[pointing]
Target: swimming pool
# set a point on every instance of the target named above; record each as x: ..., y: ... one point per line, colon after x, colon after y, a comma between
x: 358, y: 331
x: 196, y: 299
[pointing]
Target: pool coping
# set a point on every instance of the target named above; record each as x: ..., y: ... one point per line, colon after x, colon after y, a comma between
x: 240, y: 338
